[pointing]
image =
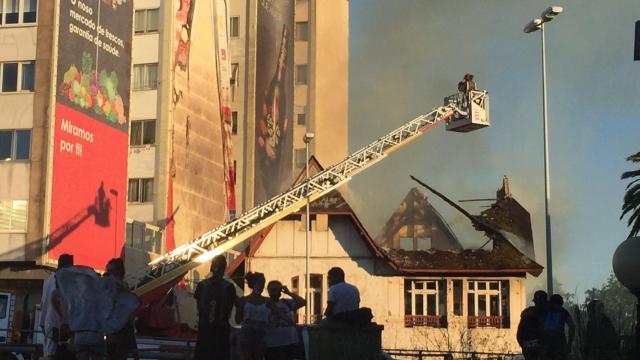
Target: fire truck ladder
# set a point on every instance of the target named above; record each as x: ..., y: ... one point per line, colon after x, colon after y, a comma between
x: 178, y: 262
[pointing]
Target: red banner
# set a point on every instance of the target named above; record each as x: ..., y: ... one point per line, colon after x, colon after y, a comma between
x: 88, y: 189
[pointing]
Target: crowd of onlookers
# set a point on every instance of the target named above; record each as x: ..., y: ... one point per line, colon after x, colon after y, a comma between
x: 267, y: 328
x: 542, y: 331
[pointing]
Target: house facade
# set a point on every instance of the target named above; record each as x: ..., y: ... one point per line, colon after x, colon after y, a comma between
x: 439, y: 300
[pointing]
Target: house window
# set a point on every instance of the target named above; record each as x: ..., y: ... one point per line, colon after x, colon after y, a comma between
x: 13, y: 216
x: 145, y: 76
x: 485, y: 303
x: 146, y: 20
x: 18, y: 12
x: 457, y: 297
x: 15, y: 144
x: 301, y: 74
x: 143, y: 132
x: 234, y: 122
x: 234, y: 27
x: 17, y: 76
x: 315, y: 288
x: 235, y: 171
x: 425, y: 302
x: 300, y: 157
x: 140, y: 190
x: 302, y: 31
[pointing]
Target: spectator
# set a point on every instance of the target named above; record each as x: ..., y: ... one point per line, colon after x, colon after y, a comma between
x: 343, y: 297
x: 51, y: 319
x: 281, y: 338
x: 555, y: 321
x: 253, y: 313
x: 601, y: 341
x: 530, y: 329
x: 215, y: 298
x: 121, y: 343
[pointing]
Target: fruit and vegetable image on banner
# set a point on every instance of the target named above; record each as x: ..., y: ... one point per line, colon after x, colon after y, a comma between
x: 90, y: 135
x: 274, y: 99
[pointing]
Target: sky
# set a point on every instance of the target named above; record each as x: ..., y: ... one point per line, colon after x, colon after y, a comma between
x: 410, y: 54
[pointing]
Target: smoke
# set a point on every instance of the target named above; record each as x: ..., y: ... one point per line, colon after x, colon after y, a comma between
x: 406, y: 56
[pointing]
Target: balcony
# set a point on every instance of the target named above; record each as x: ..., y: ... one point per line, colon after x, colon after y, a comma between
x: 436, y: 321
x: 485, y: 321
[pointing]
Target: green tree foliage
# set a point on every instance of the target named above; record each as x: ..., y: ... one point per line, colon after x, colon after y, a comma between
x: 619, y: 304
x: 631, y: 204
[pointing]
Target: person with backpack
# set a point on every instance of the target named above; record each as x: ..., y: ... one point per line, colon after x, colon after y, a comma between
x: 555, y: 321
x: 215, y: 298
x: 530, y: 328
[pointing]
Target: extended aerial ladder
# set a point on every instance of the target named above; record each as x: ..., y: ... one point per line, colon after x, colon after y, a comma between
x: 462, y: 113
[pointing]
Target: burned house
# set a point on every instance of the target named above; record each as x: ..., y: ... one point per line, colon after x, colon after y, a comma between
x: 426, y: 297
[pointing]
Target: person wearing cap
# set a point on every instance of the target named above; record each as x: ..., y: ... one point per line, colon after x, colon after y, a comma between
x: 531, y: 327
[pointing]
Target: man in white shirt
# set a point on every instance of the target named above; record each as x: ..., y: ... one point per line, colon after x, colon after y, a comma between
x: 51, y: 316
x: 343, y: 297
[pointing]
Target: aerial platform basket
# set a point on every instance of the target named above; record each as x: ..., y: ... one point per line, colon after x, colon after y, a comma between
x: 473, y: 111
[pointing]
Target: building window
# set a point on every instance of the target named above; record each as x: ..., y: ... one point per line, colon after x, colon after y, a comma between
x: 140, y: 190
x: 235, y: 171
x: 419, y: 243
x: 425, y: 303
x: 302, y: 119
x: 457, y: 297
x: 143, y: 236
x: 146, y: 21
x: 14, y: 12
x: 301, y: 74
x: 235, y: 67
x: 143, y: 132
x: 17, y: 76
x: 234, y: 122
x: 315, y: 288
x: 145, y: 76
x: 302, y: 31
x: 15, y: 144
x: 300, y: 157
x: 485, y: 303
x: 234, y: 26
x: 13, y: 215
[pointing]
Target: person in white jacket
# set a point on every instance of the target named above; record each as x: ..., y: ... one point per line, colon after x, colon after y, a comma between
x: 51, y: 318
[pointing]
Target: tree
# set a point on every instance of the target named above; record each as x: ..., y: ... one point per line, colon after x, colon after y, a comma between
x: 631, y: 203
x: 619, y: 304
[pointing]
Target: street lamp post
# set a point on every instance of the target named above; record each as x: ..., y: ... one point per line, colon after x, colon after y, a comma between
x: 533, y: 26
x: 308, y: 137
x: 627, y: 267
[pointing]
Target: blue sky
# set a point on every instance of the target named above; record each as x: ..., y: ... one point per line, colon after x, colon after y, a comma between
x: 406, y: 55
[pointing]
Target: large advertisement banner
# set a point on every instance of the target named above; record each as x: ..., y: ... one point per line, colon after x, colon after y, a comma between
x: 90, y: 134
x: 274, y: 98
x: 224, y: 92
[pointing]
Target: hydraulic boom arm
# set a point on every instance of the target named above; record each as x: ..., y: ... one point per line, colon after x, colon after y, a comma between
x: 178, y: 262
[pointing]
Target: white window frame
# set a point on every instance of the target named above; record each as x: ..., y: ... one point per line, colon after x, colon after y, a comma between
x: 3, y: 14
x: 12, y: 214
x: 142, y: 123
x: 424, y: 293
x: 298, y: 34
x: 19, y: 76
x: 14, y: 144
x: 486, y: 293
x: 147, y: 85
x: 231, y: 32
x: 139, y: 198
x: 146, y: 21
x: 299, y: 70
